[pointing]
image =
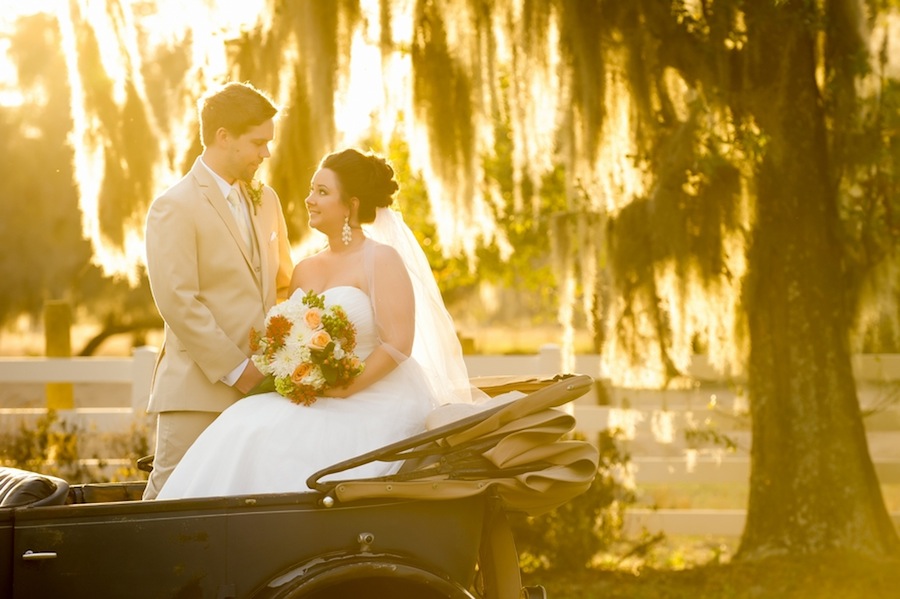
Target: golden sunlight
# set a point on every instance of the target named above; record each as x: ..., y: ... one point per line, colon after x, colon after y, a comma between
x: 109, y: 45
x: 10, y: 94
x: 113, y: 48
x: 117, y: 29
x: 362, y: 88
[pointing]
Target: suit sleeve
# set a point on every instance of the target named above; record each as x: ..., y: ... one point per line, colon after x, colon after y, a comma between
x: 174, y: 272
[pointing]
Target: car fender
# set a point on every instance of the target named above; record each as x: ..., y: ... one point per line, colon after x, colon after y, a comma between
x: 361, y: 575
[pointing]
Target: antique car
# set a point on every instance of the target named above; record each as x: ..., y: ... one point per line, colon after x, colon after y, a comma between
x: 436, y: 528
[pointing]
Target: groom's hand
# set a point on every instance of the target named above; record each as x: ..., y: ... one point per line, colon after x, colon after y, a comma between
x: 249, y: 379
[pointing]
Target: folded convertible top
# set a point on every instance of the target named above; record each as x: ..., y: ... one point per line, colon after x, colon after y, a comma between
x: 519, y: 450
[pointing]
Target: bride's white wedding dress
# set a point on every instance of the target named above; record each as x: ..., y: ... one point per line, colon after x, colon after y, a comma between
x: 267, y: 444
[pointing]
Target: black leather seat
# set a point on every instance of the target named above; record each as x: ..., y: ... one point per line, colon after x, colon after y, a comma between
x: 20, y: 488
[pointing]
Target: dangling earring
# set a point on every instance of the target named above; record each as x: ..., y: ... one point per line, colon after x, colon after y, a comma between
x: 346, y: 231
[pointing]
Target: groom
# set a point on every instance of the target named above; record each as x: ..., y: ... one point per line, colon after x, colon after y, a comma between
x: 218, y: 258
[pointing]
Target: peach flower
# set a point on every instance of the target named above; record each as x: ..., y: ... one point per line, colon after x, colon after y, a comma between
x: 300, y: 372
x: 313, y: 318
x: 319, y: 340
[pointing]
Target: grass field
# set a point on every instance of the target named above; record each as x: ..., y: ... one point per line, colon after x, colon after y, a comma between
x: 697, y: 567
x: 831, y: 577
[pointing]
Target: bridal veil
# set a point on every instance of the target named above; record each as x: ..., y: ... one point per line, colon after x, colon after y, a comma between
x: 436, y: 346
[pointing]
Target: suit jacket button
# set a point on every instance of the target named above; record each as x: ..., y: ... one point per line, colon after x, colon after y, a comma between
x: 257, y: 269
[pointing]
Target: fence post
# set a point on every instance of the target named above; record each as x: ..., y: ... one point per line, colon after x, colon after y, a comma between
x: 601, y: 388
x: 58, y: 344
x: 144, y: 361
x: 549, y: 359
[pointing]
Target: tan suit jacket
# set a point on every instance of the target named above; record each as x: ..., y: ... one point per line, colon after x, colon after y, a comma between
x: 209, y: 288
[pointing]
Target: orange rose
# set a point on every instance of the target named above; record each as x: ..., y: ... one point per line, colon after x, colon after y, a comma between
x: 313, y: 318
x: 300, y: 372
x: 319, y: 340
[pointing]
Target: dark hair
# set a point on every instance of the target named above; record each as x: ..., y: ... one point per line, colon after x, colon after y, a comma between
x: 367, y: 177
x: 236, y: 106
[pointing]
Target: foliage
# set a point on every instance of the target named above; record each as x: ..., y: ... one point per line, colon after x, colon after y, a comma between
x: 45, y: 253
x: 444, y: 102
x: 870, y: 158
x: 734, y: 240
x: 51, y: 446
x: 569, y: 537
x: 524, y: 276
x: 119, y: 305
x: 454, y: 277
x: 526, y: 267
x: 43, y: 249
x: 131, y: 446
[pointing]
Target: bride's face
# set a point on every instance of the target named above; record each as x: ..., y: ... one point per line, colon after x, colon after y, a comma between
x: 326, y: 210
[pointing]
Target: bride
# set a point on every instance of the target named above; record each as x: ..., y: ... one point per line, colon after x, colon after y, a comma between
x: 412, y: 361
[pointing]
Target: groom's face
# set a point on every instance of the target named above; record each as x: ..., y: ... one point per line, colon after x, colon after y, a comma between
x: 246, y: 152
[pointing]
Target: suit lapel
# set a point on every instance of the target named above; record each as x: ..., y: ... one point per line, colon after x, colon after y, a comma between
x: 212, y: 194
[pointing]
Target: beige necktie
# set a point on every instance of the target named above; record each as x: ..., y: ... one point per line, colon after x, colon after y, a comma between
x: 240, y: 215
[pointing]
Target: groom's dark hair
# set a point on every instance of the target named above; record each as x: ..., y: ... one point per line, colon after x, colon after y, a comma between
x: 235, y: 106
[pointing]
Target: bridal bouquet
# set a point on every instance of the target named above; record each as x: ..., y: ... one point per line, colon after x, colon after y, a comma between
x: 305, y: 349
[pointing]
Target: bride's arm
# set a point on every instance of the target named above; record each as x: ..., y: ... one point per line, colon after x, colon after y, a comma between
x: 394, y: 306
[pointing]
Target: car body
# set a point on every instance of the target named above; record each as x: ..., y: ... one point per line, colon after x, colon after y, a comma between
x: 435, y: 529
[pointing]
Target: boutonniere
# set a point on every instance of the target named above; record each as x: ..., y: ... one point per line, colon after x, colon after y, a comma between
x: 254, y: 191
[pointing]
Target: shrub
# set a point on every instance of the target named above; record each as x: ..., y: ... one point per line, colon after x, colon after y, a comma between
x: 568, y: 537
x: 51, y: 446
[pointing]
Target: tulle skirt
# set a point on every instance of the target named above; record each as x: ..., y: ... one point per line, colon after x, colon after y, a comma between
x: 267, y: 444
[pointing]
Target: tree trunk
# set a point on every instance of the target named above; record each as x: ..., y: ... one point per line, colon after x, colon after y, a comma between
x: 813, y: 486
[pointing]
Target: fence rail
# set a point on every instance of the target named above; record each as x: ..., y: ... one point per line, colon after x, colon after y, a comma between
x: 651, y: 422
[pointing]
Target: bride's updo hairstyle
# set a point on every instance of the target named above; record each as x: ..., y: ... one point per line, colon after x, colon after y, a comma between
x: 367, y: 177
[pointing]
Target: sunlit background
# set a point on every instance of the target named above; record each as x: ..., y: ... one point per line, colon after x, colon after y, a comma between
x: 654, y: 185
x: 521, y: 131
x: 371, y: 92
x: 135, y: 68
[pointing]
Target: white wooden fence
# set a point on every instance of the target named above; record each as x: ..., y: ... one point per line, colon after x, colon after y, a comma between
x: 673, y: 437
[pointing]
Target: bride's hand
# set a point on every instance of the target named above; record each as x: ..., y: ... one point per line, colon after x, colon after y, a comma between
x: 338, y: 392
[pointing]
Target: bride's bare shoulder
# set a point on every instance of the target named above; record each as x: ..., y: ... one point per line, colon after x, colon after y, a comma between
x: 386, y: 254
x: 389, y: 264
x: 306, y: 269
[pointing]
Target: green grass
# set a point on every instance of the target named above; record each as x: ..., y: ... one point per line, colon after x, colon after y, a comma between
x: 832, y: 577
x: 698, y: 496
